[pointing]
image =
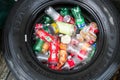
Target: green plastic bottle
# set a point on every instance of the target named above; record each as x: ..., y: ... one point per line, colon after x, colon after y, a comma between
x: 79, y: 19
x: 64, y: 11
x: 38, y: 45
x: 47, y: 20
x: 92, y: 52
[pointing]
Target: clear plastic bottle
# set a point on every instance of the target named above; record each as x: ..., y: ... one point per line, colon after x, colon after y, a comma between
x: 42, y: 57
x: 53, y: 14
x: 71, y: 62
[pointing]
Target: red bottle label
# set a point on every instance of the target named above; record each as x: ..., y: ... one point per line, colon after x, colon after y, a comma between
x: 83, y: 54
x: 38, y: 26
x: 54, y: 48
x: 44, y: 36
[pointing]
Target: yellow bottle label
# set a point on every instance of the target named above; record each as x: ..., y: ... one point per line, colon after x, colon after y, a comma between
x: 65, y: 28
x: 55, y: 27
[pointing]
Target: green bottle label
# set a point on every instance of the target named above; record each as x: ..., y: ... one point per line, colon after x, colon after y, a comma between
x: 80, y: 21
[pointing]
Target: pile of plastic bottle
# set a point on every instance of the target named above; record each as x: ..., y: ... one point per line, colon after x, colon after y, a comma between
x: 64, y: 40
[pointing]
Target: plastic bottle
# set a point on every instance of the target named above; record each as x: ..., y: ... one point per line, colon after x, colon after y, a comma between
x: 45, y: 47
x: 62, y: 59
x: 65, y: 28
x: 53, y: 14
x: 38, y: 45
x: 54, y: 48
x: 79, y: 19
x: 71, y: 62
x: 42, y: 34
x: 42, y: 57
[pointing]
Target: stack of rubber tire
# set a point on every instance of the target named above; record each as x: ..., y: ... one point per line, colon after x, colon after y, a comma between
x: 18, y: 40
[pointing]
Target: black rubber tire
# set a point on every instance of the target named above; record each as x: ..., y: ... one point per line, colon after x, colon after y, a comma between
x: 116, y: 4
x: 24, y: 67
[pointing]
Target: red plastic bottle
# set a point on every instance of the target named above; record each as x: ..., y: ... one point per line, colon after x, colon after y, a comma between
x: 53, y: 57
x: 42, y: 34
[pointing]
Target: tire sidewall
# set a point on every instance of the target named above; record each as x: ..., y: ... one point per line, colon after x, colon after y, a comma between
x: 24, y: 65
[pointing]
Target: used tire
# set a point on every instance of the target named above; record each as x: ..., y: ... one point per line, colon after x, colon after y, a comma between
x: 17, y: 41
x: 116, y: 4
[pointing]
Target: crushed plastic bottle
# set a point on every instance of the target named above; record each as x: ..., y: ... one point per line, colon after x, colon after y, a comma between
x: 71, y: 62
x: 88, y: 33
x: 53, y: 14
x: 79, y: 19
x: 65, y: 12
x: 54, y: 49
x: 62, y: 58
x: 65, y: 28
x: 54, y: 28
x: 38, y: 45
x: 42, y: 57
x: 42, y: 34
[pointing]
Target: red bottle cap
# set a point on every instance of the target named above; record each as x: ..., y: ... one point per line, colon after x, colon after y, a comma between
x: 96, y: 31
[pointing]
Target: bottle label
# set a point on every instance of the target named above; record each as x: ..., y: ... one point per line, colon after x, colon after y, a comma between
x: 65, y: 28
x: 45, y: 36
x: 38, y: 26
